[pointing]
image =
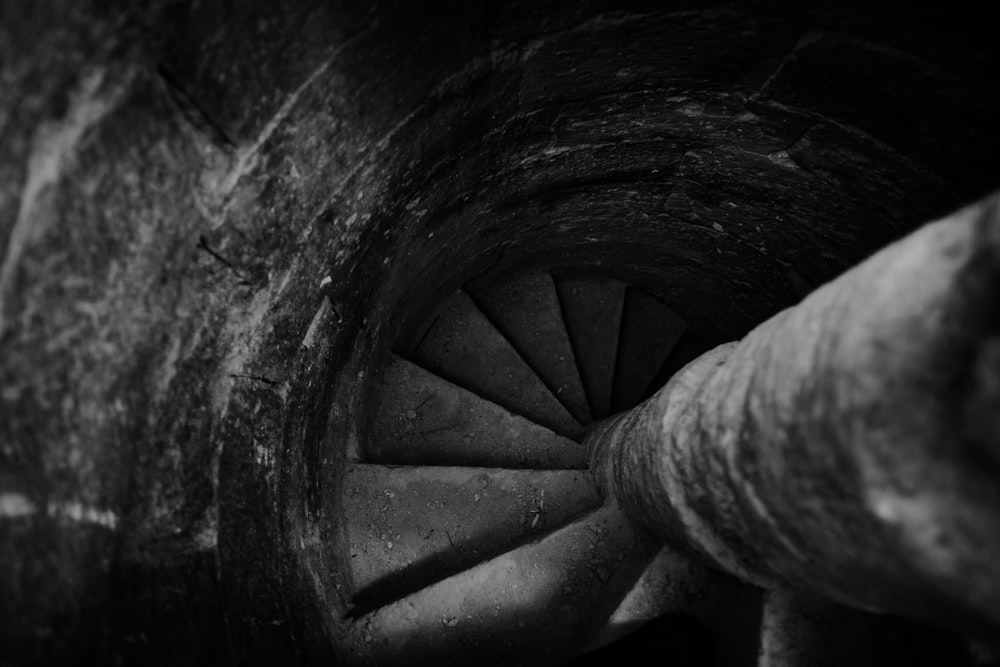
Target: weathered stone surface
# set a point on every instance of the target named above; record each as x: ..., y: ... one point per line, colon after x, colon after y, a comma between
x: 528, y: 313
x: 833, y: 449
x: 464, y: 347
x: 576, y: 575
x: 671, y: 583
x: 419, y: 418
x: 410, y: 527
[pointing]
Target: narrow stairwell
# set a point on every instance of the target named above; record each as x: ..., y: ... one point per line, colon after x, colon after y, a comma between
x: 475, y: 532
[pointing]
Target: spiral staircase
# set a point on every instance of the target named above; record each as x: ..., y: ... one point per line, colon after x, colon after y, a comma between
x: 474, y: 532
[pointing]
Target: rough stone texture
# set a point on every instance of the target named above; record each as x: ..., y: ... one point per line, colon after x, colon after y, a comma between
x: 671, y: 582
x: 420, y: 419
x: 484, y: 614
x: 838, y: 447
x: 527, y: 312
x: 214, y: 219
x: 410, y: 527
x: 464, y: 347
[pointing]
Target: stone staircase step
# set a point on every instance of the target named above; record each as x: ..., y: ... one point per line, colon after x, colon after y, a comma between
x: 671, y: 583
x: 534, y: 605
x: 592, y: 309
x: 688, y: 348
x: 422, y: 419
x: 408, y: 527
x: 527, y: 311
x: 649, y: 331
x: 463, y: 347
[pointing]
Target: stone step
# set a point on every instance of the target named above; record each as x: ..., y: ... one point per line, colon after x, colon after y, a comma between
x: 527, y: 311
x: 420, y: 418
x: 674, y: 586
x: 534, y: 605
x: 649, y: 331
x: 671, y: 583
x: 592, y: 308
x: 463, y: 347
x: 408, y: 527
x: 688, y: 348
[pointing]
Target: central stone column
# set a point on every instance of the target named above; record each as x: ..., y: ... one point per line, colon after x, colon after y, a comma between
x: 850, y: 445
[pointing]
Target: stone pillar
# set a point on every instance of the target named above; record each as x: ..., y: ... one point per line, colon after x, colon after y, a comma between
x: 848, y: 446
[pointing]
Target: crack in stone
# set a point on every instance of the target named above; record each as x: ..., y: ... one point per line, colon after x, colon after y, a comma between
x: 863, y: 138
x: 808, y: 36
x: 192, y: 113
x: 204, y: 247
x: 255, y: 378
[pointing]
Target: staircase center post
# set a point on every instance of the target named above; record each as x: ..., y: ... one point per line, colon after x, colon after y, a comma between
x: 850, y: 445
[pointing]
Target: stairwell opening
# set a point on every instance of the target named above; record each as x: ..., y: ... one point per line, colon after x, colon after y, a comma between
x: 645, y: 148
